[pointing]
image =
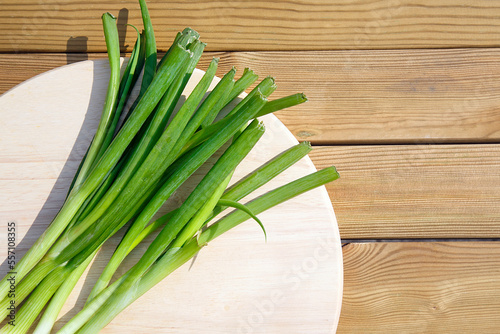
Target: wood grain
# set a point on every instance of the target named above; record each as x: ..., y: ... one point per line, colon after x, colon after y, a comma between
x: 59, y: 26
x: 421, y: 288
x: 415, y: 191
x: 408, y: 96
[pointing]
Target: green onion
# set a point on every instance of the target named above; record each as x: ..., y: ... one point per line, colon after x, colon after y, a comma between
x: 150, y: 48
x: 113, y: 46
x: 282, y: 103
x: 133, y: 166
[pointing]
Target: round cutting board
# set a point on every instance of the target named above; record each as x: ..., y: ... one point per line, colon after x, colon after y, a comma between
x: 239, y: 283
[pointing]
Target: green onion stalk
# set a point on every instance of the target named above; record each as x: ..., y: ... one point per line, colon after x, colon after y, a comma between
x: 105, y: 124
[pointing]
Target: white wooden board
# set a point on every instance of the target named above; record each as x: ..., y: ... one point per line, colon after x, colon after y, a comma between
x: 237, y: 284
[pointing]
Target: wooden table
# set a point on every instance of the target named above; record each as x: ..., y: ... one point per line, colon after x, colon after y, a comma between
x: 404, y: 101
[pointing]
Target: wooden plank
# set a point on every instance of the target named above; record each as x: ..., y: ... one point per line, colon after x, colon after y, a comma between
x: 415, y: 191
x: 52, y: 25
x: 421, y: 288
x: 410, y: 96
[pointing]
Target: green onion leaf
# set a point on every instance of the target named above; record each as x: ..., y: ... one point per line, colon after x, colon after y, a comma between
x: 244, y: 208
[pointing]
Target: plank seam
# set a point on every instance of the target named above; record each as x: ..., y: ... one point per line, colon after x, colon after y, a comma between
x: 346, y: 242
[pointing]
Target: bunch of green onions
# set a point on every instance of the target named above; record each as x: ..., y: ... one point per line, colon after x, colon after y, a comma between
x: 137, y: 159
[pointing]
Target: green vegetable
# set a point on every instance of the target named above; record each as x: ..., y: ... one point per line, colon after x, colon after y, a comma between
x: 132, y: 167
x: 108, y: 114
